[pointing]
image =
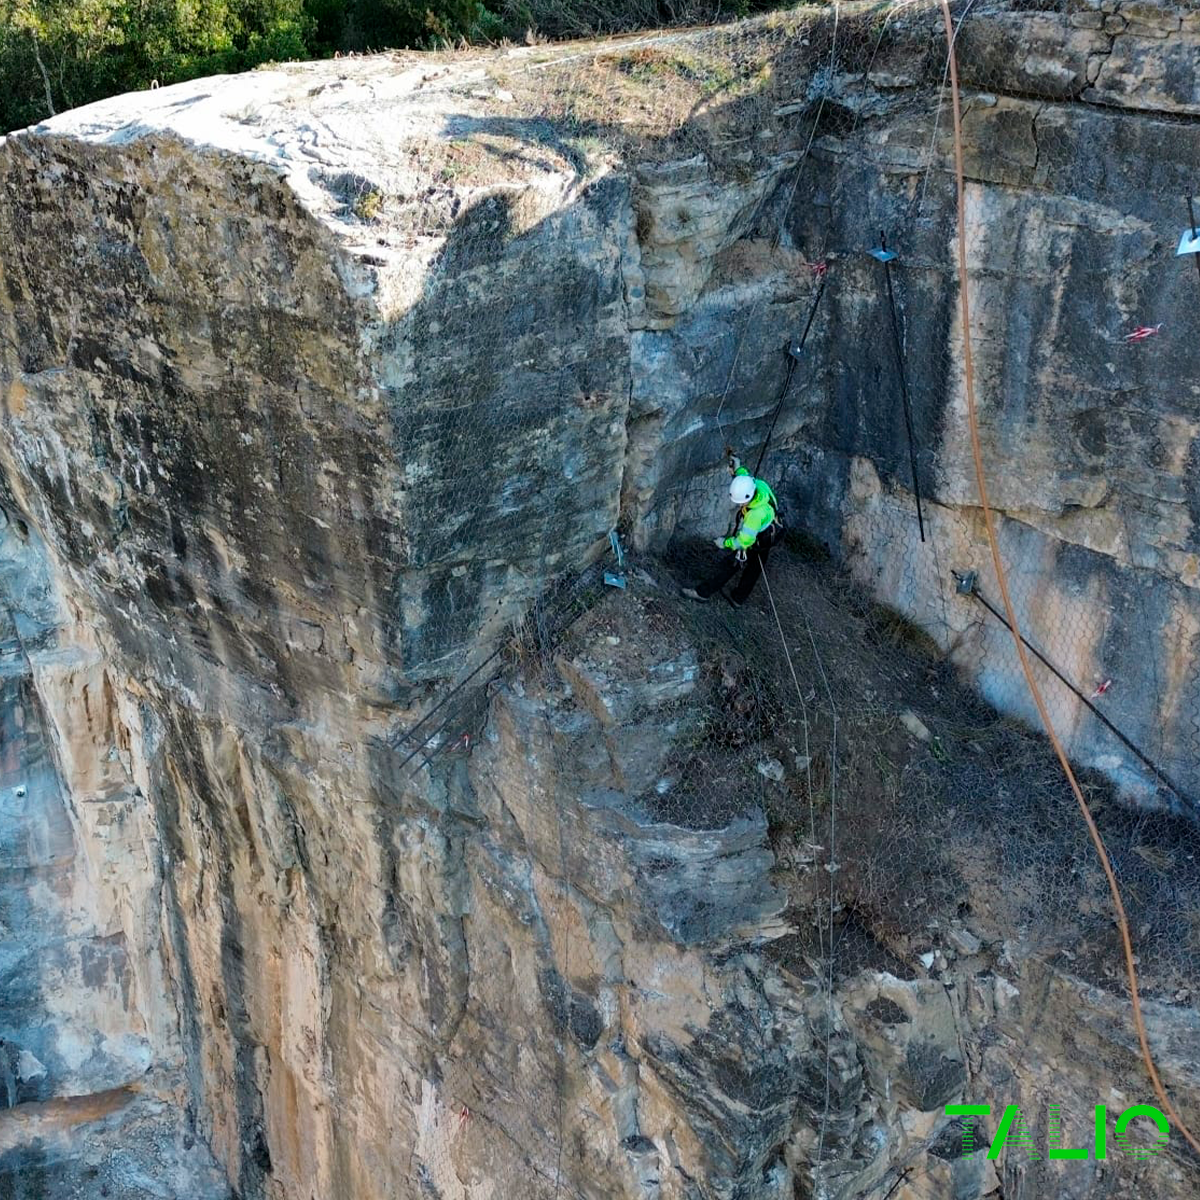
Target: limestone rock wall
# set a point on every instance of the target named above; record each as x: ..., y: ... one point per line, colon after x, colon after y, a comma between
x: 310, y: 379
x: 90, y: 1037
x: 250, y: 507
x: 1079, y: 154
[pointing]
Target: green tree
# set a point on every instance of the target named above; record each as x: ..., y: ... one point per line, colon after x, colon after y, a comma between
x: 380, y: 24
x: 56, y: 54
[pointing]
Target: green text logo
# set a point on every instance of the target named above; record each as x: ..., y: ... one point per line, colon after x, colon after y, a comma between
x: 1014, y: 1131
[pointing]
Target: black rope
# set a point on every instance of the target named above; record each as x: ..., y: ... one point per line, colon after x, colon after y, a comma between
x: 908, y: 420
x: 1158, y: 773
x: 455, y: 714
x: 539, y: 611
x: 793, y: 353
x: 899, y: 1180
x: 396, y: 742
x: 1192, y: 222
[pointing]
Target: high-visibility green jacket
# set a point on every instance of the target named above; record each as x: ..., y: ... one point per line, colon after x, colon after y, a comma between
x: 755, y: 516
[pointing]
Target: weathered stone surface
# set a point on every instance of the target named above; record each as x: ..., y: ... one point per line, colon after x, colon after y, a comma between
x: 311, y: 378
x: 1074, y: 207
x: 88, y: 1031
x: 686, y: 219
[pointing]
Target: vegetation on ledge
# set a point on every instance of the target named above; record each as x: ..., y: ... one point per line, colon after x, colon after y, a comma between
x: 59, y: 54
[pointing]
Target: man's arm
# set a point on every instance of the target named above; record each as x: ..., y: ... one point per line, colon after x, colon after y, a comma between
x: 747, y: 532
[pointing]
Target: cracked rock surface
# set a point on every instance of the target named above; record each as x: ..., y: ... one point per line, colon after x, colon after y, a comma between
x: 311, y: 378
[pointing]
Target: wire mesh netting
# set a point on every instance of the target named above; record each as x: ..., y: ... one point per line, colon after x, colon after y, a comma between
x: 867, y: 704
x: 1082, y: 356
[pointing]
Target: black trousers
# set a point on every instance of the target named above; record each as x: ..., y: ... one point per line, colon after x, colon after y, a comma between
x: 728, y: 566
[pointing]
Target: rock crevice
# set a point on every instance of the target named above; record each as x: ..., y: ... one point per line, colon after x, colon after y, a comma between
x: 312, y: 380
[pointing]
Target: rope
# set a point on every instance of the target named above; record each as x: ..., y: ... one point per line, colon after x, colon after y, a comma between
x: 908, y: 419
x: 450, y: 719
x: 775, y: 240
x: 832, y: 839
x: 458, y: 687
x: 396, y: 742
x: 783, y: 391
x: 1014, y: 627
x: 840, y: 180
x: 918, y: 204
x: 792, y: 360
x: 899, y: 1180
x: 1127, y: 742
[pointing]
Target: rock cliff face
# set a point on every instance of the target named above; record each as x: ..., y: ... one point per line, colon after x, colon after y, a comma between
x: 312, y: 379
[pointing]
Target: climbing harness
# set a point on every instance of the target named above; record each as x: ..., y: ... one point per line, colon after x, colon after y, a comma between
x: 885, y: 256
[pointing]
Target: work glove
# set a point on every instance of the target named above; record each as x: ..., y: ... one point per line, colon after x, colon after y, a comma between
x: 719, y: 543
x: 735, y: 464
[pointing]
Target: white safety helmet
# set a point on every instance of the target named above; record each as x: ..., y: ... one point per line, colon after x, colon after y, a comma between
x: 741, y: 490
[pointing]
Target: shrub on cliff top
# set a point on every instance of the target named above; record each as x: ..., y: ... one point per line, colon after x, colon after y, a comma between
x: 578, y: 18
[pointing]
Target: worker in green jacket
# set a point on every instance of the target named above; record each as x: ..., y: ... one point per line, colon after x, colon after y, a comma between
x: 757, y: 530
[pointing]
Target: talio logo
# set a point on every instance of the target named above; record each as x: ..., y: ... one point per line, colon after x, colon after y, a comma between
x: 1013, y: 1130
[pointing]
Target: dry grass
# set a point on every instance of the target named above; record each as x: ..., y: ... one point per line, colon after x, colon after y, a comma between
x: 977, y: 820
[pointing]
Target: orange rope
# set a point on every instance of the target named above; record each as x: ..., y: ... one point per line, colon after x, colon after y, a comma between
x: 1002, y: 580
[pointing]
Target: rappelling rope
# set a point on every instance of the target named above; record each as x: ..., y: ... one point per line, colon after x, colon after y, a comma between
x: 898, y: 347
x: 918, y: 201
x: 793, y: 356
x: 1014, y: 626
x: 833, y: 765
x: 775, y: 240
x: 893, y: 10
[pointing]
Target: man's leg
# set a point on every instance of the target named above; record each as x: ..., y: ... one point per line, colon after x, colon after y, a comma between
x: 725, y: 569
x: 756, y: 559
